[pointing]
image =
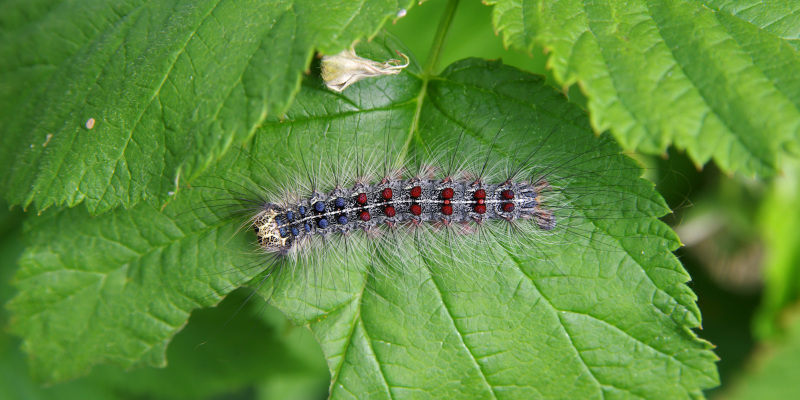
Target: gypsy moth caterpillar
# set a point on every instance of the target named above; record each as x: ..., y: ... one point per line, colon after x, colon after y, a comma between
x: 489, y: 193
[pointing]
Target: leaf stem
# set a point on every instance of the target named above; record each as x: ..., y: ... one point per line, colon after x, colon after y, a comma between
x: 442, y: 30
x: 430, y: 70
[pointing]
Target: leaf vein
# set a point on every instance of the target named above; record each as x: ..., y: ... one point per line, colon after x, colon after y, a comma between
x: 440, y: 294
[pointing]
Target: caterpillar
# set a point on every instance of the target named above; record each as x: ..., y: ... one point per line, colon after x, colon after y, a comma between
x: 472, y: 198
x: 391, y: 201
x: 573, y: 195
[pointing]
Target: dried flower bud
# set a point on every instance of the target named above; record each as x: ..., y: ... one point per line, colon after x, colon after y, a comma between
x: 346, y: 68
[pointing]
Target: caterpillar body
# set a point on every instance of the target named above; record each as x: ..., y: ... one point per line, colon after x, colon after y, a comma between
x: 411, y: 201
x: 476, y: 199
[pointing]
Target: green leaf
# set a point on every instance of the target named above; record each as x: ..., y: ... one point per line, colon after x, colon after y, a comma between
x: 14, y: 380
x: 221, y: 353
x: 171, y: 85
x: 110, y: 289
x: 223, y: 364
x: 110, y: 301
x: 598, y: 309
x: 720, y: 79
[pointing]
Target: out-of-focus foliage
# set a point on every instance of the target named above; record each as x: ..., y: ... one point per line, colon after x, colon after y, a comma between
x: 772, y: 373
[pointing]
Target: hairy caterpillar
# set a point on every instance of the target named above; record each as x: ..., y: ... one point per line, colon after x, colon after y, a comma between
x: 473, y: 131
x: 422, y: 198
x: 473, y: 197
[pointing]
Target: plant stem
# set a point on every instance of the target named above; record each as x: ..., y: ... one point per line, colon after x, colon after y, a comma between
x: 442, y: 30
x: 430, y: 70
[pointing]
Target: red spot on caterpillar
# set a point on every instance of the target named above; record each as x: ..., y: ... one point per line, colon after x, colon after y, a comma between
x: 364, y: 216
x: 387, y: 194
x: 446, y: 202
x: 389, y: 211
x: 447, y: 210
x: 481, y: 201
x: 507, y: 194
x: 416, y: 209
x: 479, y: 194
x: 447, y: 193
x: 416, y: 191
x: 508, y: 207
x: 480, y: 209
x: 362, y: 198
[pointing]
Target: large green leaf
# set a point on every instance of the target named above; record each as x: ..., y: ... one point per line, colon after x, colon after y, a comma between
x: 599, y: 308
x: 171, y: 84
x: 720, y: 79
x: 222, y: 364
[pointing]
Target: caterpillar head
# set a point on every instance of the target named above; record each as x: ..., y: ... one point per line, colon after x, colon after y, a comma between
x: 272, y: 233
